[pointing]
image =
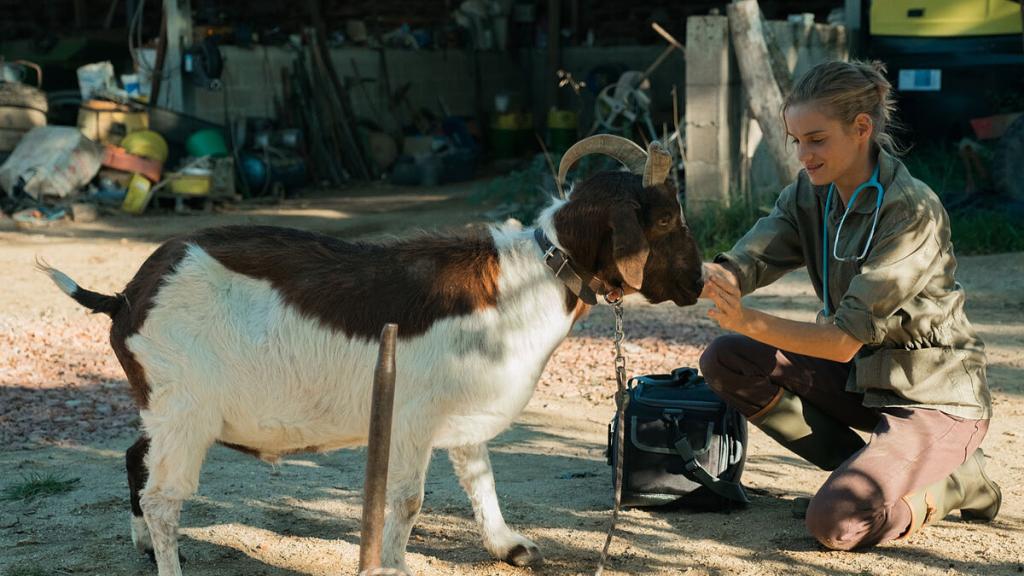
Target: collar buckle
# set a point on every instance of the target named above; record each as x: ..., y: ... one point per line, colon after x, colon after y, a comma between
x: 614, y: 296
x: 550, y: 252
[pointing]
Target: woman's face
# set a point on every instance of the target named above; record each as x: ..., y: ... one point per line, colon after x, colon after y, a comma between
x: 825, y: 146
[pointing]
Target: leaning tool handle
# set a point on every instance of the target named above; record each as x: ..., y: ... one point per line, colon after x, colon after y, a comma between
x: 673, y: 46
x: 377, y: 454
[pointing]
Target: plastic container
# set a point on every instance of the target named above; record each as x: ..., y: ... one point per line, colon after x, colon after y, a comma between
x: 562, y: 130
x: 288, y: 171
x: 206, y: 142
x: 119, y: 159
x: 139, y: 192
x: 191, y: 184
x: 511, y: 134
x: 95, y: 77
x: 147, y: 144
x: 505, y: 135
x: 110, y: 122
x: 254, y: 172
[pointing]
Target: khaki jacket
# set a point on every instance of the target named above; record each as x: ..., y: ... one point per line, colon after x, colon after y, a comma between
x: 901, y: 300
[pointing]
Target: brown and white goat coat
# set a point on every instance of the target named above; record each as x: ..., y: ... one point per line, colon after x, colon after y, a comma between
x: 264, y: 339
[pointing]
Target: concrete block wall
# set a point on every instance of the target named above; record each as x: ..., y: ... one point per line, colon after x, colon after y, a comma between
x: 252, y: 79
x: 726, y: 158
x: 433, y: 77
x: 712, y: 108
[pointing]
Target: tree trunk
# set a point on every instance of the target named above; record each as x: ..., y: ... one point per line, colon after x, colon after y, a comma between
x: 766, y: 97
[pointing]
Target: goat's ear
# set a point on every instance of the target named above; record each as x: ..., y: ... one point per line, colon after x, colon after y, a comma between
x: 629, y: 246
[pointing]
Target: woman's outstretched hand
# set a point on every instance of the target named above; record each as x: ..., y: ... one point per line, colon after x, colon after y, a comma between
x: 721, y: 287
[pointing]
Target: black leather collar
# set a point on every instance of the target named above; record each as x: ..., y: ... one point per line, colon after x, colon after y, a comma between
x: 585, y: 286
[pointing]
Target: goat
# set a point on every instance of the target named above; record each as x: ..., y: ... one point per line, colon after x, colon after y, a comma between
x: 263, y: 339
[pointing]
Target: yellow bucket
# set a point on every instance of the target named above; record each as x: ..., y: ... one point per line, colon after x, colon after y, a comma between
x: 562, y: 131
x: 109, y: 122
x: 562, y: 119
x: 191, y: 184
x: 509, y: 121
x: 147, y: 144
x: 139, y: 191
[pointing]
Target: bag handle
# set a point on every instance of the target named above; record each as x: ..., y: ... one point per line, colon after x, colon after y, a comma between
x: 729, y: 490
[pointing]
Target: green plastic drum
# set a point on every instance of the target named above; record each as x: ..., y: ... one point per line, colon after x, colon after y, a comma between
x: 562, y: 129
x: 206, y: 142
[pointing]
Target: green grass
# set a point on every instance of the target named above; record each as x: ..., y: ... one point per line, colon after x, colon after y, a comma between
x: 716, y: 230
x: 986, y: 232
x: 939, y: 166
x: 38, y: 486
x: 981, y: 229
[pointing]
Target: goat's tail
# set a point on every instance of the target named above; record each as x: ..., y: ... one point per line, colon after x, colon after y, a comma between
x: 94, y: 301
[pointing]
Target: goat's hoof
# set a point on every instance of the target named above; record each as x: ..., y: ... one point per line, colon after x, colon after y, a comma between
x: 524, y: 555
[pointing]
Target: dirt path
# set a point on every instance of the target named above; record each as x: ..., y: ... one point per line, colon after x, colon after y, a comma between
x: 58, y: 379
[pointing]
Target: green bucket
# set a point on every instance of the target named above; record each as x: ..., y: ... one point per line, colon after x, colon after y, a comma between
x: 206, y: 142
x: 510, y: 134
x: 504, y: 135
x: 562, y: 129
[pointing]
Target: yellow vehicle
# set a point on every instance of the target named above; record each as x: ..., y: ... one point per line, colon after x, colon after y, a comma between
x: 950, y: 60
x: 946, y: 18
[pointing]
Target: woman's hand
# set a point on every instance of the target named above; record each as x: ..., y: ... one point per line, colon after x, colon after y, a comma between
x: 721, y: 287
x: 712, y: 271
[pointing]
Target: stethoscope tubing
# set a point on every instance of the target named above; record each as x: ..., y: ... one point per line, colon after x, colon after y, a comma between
x: 873, y: 182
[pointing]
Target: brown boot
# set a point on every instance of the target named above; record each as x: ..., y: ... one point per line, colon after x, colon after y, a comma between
x: 968, y: 489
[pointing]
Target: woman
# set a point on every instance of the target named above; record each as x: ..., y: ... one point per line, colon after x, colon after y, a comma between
x: 891, y: 353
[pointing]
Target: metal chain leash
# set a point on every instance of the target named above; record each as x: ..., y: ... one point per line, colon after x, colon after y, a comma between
x: 621, y: 401
x: 620, y: 360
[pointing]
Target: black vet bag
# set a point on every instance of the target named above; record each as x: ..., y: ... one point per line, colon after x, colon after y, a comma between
x: 683, y: 444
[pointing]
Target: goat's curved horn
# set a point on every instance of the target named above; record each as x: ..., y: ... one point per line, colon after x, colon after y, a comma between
x: 622, y: 149
x: 658, y: 165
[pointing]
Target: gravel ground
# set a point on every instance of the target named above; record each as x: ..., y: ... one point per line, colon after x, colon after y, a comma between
x: 65, y: 409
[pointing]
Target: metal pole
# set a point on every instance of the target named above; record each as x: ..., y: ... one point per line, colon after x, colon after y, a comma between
x: 378, y: 452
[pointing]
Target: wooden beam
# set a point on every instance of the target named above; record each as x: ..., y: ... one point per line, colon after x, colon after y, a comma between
x: 111, y: 10
x: 81, y: 17
x: 554, y: 52
x: 179, y: 37
x: 161, y: 55
x: 574, y: 23
x: 752, y: 55
x: 852, y: 18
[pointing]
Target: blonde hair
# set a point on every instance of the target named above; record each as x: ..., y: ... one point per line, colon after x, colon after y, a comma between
x: 847, y: 89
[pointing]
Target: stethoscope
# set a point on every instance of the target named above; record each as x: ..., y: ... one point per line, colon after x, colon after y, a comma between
x: 871, y: 183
